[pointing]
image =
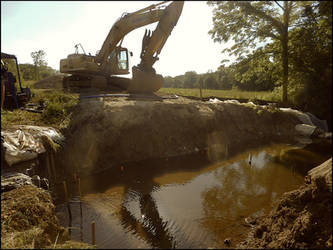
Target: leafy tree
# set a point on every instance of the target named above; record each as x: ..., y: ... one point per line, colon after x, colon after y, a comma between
x: 257, y: 71
x: 250, y: 23
x: 178, y: 83
x: 46, y: 71
x: 190, y: 79
x: 28, y: 71
x: 38, y: 59
x: 168, y: 82
x: 225, y: 78
x: 311, y: 59
x: 210, y: 82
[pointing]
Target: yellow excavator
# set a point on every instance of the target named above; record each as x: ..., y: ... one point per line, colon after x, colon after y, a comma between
x: 101, y: 71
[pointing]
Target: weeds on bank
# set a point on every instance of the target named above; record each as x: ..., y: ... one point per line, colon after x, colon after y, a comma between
x: 58, y: 105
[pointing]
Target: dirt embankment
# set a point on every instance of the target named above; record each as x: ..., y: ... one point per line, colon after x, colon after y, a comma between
x: 51, y: 82
x: 105, y: 132
x: 302, y: 218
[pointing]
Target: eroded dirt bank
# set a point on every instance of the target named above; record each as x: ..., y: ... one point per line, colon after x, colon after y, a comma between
x: 302, y: 218
x: 106, y: 132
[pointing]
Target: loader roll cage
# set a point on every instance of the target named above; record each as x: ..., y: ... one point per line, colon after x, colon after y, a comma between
x: 14, y: 98
x: 8, y: 56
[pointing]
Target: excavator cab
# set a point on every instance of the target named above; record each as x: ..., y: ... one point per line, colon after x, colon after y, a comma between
x: 118, y: 63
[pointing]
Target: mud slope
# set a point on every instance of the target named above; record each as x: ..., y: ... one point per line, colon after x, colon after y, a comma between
x: 51, y: 82
x: 106, y: 132
x: 302, y: 218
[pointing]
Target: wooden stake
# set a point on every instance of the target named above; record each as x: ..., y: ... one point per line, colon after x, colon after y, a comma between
x: 200, y: 91
x: 93, y: 233
x: 79, y: 187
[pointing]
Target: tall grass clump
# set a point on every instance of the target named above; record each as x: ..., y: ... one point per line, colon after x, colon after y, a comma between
x: 58, y: 105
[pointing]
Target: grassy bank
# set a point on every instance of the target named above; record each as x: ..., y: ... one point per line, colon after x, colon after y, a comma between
x: 232, y: 94
x: 58, y: 106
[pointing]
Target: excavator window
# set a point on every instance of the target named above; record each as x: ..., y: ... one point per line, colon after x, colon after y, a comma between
x: 122, y: 60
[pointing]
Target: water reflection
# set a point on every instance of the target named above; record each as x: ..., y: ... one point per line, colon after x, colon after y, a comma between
x: 151, y: 227
x: 183, y: 203
x: 244, y: 188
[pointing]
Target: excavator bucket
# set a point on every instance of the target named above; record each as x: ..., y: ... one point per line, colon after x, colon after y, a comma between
x: 144, y: 82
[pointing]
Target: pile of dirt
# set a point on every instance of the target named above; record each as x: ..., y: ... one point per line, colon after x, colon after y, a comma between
x: 51, y: 82
x: 28, y: 220
x: 301, y: 219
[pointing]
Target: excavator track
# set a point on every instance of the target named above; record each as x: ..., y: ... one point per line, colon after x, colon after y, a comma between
x: 81, y: 83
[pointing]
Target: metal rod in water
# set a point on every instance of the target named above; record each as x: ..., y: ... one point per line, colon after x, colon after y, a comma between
x: 53, y: 165
x: 81, y: 224
x: 81, y: 227
x: 48, y: 165
x: 93, y: 233
x: 67, y: 201
x: 65, y: 189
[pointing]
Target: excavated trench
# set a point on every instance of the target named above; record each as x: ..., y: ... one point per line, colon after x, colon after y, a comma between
x: 183, y: 202
x: 178, y: 173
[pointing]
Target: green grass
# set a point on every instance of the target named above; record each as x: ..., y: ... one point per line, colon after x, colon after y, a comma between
x: 56, y: 113
x: 232, y: 94
x: 59, y: 104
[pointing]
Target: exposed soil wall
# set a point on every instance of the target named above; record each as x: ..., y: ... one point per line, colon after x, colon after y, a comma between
x: 302, y: 218
x: 111, y: 131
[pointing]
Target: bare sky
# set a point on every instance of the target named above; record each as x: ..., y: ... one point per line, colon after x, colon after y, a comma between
x: 56, y: 26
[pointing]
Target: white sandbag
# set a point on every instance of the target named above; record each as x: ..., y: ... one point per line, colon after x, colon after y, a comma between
x: 25, y: 142
x: 215, y: 100
x: 305, y: 129
x: 304, y: 118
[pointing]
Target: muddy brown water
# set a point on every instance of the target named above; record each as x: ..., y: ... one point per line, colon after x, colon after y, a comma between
x: 184, y: 202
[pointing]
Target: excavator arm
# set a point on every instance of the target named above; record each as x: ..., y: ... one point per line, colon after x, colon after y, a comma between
x: 145, y: 79
x: 125, y: 24
x: 153, y: 43
x: 144, y: 76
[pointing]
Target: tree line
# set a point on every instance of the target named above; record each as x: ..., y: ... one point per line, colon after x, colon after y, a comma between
x: 36, y: 71
x: 225, y: 78
x: 284, y: 46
